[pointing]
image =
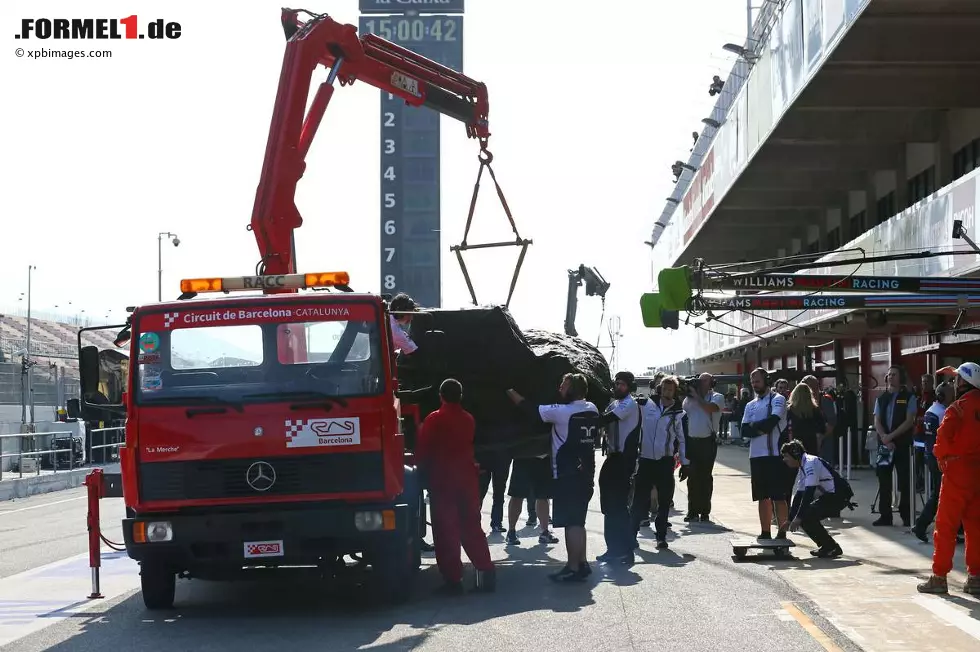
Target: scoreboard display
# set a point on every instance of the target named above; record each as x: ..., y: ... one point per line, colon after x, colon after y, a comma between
x: 410, y: 170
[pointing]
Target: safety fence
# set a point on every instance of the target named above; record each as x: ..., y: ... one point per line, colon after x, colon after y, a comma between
x: 50, y: 385
x: 60, y: 450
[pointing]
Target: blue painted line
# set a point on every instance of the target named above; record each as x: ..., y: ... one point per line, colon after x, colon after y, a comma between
x: 120, y: 564
x: 57, y: 613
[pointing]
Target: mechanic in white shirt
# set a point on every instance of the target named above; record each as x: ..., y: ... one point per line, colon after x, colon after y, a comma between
x: 820, y: 493
x: 703, y: 406
x: 763, y: 423
x: 400, y: 317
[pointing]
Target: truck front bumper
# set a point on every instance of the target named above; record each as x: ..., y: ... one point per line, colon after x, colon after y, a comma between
x: 203, y: 543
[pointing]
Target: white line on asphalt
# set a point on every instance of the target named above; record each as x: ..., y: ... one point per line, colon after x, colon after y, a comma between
x: 954, y: 615
x: 54, y: 502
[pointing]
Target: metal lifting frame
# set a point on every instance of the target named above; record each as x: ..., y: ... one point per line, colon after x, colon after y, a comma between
x: 372, y: 60
x: 486, y: 158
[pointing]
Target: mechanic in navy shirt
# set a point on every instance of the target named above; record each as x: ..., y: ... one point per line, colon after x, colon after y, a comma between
x: 574, y: 432
x: 622, y: 443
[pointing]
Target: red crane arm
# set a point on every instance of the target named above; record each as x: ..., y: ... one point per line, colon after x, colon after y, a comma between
x: 368, y: 58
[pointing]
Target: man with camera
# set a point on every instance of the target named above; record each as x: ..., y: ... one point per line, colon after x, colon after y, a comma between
x: 703, y: 407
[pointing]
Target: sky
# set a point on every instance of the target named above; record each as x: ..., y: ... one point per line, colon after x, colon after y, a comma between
x: 588, y: 109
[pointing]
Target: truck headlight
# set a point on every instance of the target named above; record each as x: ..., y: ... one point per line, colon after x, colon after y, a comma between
x: 368, y: 521
x: 153, y: 532
x: 374, y: 521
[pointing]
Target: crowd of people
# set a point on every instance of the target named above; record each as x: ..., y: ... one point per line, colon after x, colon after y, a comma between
x: 790, y: 435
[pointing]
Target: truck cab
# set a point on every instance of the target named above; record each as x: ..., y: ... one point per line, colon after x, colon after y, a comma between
x: 264, y: 430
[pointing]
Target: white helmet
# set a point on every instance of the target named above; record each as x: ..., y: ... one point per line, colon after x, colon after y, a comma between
x: 970, y: 372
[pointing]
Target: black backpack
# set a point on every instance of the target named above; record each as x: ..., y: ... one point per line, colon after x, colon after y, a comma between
x: 842, y: 488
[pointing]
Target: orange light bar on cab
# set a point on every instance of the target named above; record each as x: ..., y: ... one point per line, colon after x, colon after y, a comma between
x: 273, y: 282
x: 327, y: 279
x: 201, y: 285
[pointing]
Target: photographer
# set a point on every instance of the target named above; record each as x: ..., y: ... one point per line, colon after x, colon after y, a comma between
x: 703, y: 407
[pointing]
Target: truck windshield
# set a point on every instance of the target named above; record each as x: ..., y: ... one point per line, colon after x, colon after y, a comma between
x: 212, y: 355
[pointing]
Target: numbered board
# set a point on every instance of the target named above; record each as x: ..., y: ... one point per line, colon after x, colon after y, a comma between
x: 410, y: 207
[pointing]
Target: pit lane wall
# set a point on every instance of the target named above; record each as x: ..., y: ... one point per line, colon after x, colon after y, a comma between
x: 801, y: 37
x: 926, y: 226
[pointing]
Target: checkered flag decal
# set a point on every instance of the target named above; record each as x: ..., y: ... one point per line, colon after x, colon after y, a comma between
x: 169, y: 318
x: 293, y: 428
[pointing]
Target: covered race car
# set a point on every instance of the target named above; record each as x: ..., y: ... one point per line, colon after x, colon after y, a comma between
x: 488, y: 353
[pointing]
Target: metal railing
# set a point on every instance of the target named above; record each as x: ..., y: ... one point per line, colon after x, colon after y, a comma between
x: 117, y: 432
x: 59, y: 456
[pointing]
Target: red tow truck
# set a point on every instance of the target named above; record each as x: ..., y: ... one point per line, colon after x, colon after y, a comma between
x: 263, y: 422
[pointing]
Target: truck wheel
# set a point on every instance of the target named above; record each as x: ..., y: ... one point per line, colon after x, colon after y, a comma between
x: 158, y: 585
x: 399, y: 564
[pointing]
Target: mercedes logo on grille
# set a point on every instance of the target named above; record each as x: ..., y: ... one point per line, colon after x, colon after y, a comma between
x: 260, y: 476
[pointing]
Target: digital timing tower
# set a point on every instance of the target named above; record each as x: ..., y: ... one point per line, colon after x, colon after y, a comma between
x: 410, y: 179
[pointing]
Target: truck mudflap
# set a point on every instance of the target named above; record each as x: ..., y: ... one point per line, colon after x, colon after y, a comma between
x: 216, y: 544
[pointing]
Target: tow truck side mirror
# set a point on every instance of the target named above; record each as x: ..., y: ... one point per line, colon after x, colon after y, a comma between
x: 74, y: 408
x: 88, y: 380
x: 88, y: 369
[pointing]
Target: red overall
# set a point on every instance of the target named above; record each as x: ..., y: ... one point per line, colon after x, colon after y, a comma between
x: 445, y: 452
x: 957, y: 450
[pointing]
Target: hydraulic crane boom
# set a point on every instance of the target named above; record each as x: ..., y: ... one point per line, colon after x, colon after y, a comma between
x: 595, y: 285
x: 368, y: 58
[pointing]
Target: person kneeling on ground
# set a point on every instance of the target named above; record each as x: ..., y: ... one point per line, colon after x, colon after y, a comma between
x: 445, y: 454
x: 820, y: 493
x: 574, y: 429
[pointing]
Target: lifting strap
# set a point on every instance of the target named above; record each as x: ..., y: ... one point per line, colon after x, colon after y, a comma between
x: 486, y: 158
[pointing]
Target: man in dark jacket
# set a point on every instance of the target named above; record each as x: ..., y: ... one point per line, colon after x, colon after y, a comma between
x: 931, y: 419
x: 445, y: 454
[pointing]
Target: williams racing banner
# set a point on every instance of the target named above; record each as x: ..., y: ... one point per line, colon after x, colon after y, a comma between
x: 839, y: 302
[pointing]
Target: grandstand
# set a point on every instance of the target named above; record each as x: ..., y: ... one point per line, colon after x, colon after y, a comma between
x: 54, y: 349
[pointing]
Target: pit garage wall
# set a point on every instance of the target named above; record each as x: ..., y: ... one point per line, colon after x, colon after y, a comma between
x: 926, y: 226
x: 803, y: 36
x: 864, y: 362
x: 800, y: 41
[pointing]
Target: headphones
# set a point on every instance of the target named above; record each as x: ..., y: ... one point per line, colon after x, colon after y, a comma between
x: 762, y: 372
x: 794, y: 448
x: 629, y: 378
